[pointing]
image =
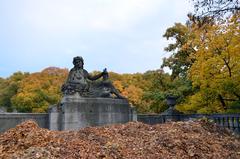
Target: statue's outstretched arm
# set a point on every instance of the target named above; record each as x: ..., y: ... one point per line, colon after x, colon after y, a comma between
x: 95, y: 77
x: 102, y: 74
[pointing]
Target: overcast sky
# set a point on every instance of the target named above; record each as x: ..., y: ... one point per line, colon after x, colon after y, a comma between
x: 124, y: 36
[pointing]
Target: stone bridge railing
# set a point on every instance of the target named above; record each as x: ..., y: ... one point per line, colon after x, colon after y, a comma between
x: 231, y: 121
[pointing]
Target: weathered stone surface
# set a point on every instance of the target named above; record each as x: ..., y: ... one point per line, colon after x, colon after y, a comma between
x: 10, y: 120
x: 77, y: 112
x: 54, y: 117
x: 88, y: 103
x: 3, y: 110
x: 78, y: 81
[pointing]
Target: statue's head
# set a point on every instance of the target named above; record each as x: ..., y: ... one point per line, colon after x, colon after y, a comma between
x: 78, y: 61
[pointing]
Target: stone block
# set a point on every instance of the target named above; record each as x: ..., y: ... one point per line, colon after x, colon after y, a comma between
x: 78, y: 112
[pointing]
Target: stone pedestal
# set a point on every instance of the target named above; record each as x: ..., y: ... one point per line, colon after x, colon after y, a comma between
x: 54, y: 115
x: 171, y: 114
x: 77, y: 112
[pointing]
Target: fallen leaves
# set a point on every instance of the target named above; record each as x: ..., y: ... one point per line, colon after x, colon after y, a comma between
x: 192, y: 139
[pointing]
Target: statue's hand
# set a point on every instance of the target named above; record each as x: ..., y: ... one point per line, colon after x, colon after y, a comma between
x: 105, y: 71
x: 105, y: 74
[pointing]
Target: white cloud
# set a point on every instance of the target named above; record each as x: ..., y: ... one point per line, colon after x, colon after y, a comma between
x: 62, y: 15
x: 102, y: 31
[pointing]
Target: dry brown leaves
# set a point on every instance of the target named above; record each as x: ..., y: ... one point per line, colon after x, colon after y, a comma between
x: 198, y: 139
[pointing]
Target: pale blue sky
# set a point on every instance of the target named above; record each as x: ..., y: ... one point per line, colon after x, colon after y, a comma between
x: 124, y: 36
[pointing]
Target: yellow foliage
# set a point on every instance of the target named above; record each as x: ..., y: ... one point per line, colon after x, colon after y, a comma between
x: 216, y: 67
x: 39, y: 90
x: 134, y: 94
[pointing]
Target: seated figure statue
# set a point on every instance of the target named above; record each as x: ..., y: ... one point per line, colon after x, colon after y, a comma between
x: 79, y: 81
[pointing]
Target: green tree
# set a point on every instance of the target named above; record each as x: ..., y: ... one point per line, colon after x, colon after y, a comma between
x: 9, y: 88
x: 185, y: 45
x: 162, y: 86
x: 179, y: 62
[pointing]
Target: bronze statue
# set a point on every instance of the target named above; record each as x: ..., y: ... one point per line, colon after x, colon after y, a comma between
x: 80, y: 81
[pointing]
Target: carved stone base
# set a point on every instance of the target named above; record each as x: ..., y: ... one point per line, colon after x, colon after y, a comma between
x: 77, y: 112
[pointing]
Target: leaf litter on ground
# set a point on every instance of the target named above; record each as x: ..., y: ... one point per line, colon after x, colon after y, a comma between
x: 189, y: 139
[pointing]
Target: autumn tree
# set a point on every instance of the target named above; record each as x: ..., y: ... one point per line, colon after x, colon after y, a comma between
x: 132, y: 86
x: 39, y: 90
x: 179, y: 62
x: 184, y: 45
x: 215, y: 71
x: 163, y: 85
x: 9, y: 88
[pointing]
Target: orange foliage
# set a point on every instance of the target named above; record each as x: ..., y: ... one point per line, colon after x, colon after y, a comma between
x: 39, y: 90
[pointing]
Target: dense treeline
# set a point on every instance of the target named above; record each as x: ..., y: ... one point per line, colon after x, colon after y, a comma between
x: 34, y: 92
x: 205, y: 65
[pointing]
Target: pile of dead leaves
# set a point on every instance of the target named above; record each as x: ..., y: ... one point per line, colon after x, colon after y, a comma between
x: 193, y: 139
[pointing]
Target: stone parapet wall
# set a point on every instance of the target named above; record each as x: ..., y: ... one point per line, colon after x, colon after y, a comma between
x: 75, y: 112
x: 10, y: 120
